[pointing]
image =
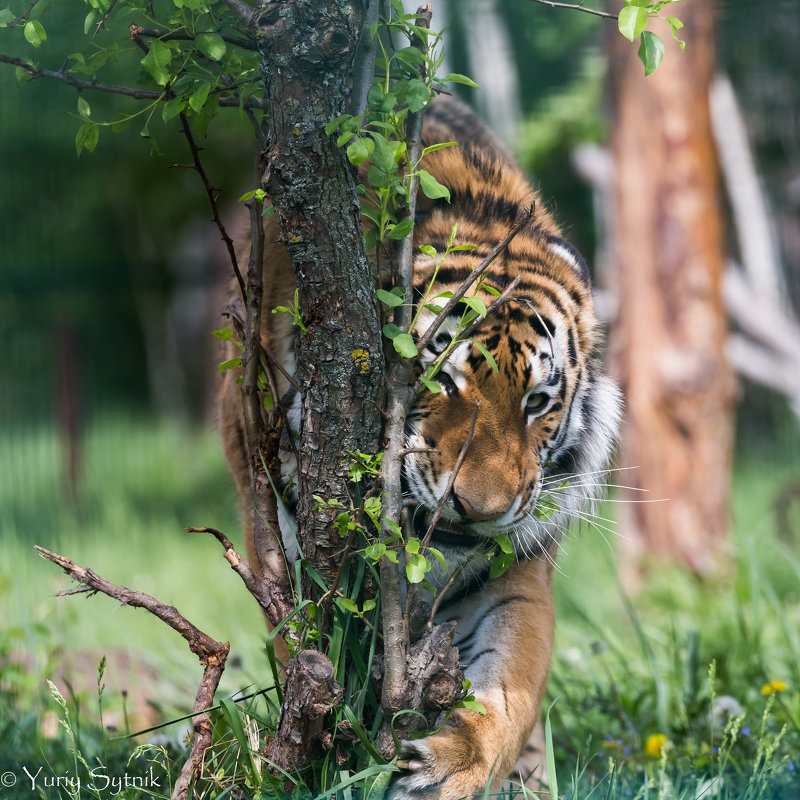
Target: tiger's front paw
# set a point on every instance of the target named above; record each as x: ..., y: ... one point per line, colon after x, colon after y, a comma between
x: 458, y: 761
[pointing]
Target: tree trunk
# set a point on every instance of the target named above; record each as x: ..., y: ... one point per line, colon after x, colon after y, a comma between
x: 307, y: 48
x: 668, y: 342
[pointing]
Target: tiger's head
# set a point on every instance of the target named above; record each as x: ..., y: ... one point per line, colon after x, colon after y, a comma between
x: 544, y: 419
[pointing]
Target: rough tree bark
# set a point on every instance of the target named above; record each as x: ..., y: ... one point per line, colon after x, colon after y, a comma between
x: 669, y: 339
x: 307, y: 48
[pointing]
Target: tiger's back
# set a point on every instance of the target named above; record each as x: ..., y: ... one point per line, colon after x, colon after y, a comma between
x: 545, y: 420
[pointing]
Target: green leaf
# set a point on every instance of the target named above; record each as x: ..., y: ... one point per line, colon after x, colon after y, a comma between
x: 171, y: 108
x: 269, y: 402
x: 473, y: 705
x: 412, y: 545
x: 347, y: 604
x: 487, y: 355
x: 402, y: 229
x: 675, y: 24
x: 155, y: 62
x: 428, y: 250
x: 335, y: 122
x: 211, y: 45
x: 410, y: 55
x: 416, y: 568
x: 230, y: 364
x: 632, y: 21
x: 392, y: 556
x: 368, y: 605
x: 404, y: 344
x: 500, y: 563
x: 456, y: 77
x: 223, y: 333
x: 87, y: 137
x: 431, y: 385
x: 198, y: 99
x: 91, y: 18
x: 651, y: 51
x: 438, y: 555
x: 476, y: 304
x: 504, y: 543
x: 418, y: 95
x: 391, y: 331
x: 375, y: 551
x: 34, y: 32
x: 6, y: 16
x: 389, y: 298
x: 431, y: 148
x: 360, y: 150
x: 431, y: 187
x: 83, y: 108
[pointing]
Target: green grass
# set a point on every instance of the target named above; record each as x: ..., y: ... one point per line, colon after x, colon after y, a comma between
x: 624, y: 670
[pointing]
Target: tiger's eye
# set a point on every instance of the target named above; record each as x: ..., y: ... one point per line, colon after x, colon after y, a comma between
x: 536, y: 401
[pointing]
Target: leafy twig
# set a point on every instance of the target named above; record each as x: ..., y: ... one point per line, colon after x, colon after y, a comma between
x: 521, y: 221
x: 127, y: 91
x: 183, y: 35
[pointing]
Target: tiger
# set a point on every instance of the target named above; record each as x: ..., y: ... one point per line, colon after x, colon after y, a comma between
x: 544, y: 420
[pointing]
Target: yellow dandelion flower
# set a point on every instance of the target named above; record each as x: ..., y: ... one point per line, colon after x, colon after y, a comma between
x: 655, y: 744
x: 773, y: 686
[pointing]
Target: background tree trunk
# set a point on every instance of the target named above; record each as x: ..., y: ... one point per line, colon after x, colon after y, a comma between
x: 668, y: 343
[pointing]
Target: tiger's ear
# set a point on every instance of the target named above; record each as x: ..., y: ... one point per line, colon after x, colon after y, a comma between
x: 566, y: 252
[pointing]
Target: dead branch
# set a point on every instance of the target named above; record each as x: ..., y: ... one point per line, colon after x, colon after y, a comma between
x: 273, y: 604
x: 311, y: 691
x: 211, y: 653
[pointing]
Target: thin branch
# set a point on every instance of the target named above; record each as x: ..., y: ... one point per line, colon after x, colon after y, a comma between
x: 127, y: 91
x: 211, y: 653
x: 451, y: 582
x: 24, y: 14
x: 577, y: 7
x: 521, y: 221
x: 183, y: 35
x: 244, y: 12
x: 103, y: 19
x: 495, y: 306
x: 272, y: 604
x: 211, y: 193
x: 450, y: 483
x: 364, y: 69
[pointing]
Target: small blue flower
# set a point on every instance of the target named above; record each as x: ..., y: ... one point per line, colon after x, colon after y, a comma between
x: 627, y: 751
x: 746, y: 730
x: 715, y: 749
x: 791, y: 766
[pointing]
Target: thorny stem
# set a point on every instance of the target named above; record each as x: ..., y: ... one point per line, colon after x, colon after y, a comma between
x: 211, y: 193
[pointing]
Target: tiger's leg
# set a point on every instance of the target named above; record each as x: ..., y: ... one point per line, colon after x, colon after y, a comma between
x: 508, y: 657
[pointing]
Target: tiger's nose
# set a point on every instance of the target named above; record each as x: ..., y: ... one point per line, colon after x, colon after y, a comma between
x: 465, y: 508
